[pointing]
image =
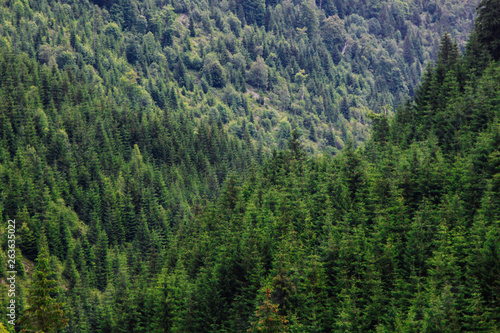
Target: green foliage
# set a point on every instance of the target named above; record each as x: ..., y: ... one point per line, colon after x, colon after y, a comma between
x: 487, y: 26
x: 137, y: 135
x: 268, y: 320
x: 258, y: 74
x: 356, y: 56
x: 44, y: 313
x: 213, y: 72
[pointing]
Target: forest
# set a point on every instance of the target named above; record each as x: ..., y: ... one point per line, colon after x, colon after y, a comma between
x: 250, y: 165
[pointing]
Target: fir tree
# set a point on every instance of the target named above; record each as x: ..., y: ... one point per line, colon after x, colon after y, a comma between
x: 487, y: 26
x: 268, y: 318
x: 44, y: 312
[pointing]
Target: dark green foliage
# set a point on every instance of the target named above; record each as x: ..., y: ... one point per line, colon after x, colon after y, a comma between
x: 192, y: 30
x: 254, y: 11
x: 44, y: 313
x: 137, y: 136
x: 487, y: 26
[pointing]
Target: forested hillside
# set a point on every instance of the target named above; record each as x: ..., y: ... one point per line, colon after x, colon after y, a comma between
x: 401, y: 235
x: 170, y: 168
x: 263, y: 67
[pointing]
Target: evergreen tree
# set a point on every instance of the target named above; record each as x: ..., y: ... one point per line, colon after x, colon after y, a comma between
x: 487, y: 26
x: 138, y: 158
x: 268, y: 318
x: 44, y: 312
x: 192, y: 31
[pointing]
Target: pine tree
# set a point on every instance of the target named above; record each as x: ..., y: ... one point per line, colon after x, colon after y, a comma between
x: 487, y: 26
x: 295, y: 146
x: 192, y: 31
x: 448, y: 56
x: 101, y: 253
x: 70, y: 273
x: 268, y: 318
x: 44, y: 313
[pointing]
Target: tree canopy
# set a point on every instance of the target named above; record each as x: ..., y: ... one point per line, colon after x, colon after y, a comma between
x: 192, y: 166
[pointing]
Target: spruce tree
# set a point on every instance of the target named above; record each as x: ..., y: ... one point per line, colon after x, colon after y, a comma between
x: 192, y: 31
x: 268, y: 318
x: 487, y: 26
x: 44, y: 312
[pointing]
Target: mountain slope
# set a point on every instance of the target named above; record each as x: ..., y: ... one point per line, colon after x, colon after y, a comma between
x: 265, y: 67
x: 139, y: 137
x: 401, y: 235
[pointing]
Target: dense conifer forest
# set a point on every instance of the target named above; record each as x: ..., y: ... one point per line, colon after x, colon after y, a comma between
x: 250, y: 165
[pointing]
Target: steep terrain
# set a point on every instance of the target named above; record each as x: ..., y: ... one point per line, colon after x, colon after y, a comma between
x: 263, y: 67
x: 402, y: 235
x: 169, y: 165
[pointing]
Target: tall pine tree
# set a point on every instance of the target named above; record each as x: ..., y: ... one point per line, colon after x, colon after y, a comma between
x: 44, y: 313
